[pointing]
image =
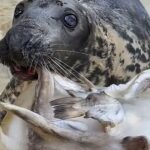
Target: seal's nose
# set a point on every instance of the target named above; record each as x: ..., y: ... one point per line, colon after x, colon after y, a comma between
x: 24, y: 35
x: 3, y: 47
x: 25, y: 38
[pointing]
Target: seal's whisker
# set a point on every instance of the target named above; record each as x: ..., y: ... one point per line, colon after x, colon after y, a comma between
x: 45, y: 64
x: 30, y: 66
x: 68, y: 71
x: 73, y: 52
x: 65, y: 71
x: 57, y: 70
x: 60, y: 67
x: 70, y: 51
x: 35, y: 66
x: 42, y: 63
x: 54, y: 67
x: 82, y: 77
x: 67, y: 66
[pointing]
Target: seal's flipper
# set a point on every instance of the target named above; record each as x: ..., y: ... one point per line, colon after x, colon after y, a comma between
x: 68, y: 107
x: 44, y: 93
x: 107, y: 114
x: 71, y: 125
x: 131, y: 89
x: 43, y: 126
x: 37, y: 122
x: 101, y: 107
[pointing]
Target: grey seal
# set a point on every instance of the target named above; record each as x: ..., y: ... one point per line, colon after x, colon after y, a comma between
x: 105, y: 40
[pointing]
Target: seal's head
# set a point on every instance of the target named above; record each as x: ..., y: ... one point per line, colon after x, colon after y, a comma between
x: 106, y: 40
x: 43, y: 32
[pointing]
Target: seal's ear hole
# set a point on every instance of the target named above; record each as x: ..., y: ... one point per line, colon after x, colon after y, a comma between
x: 19, y: 10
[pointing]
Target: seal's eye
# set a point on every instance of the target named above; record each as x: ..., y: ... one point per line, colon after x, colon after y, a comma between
x: 19, y: 10
x: 70, y: 21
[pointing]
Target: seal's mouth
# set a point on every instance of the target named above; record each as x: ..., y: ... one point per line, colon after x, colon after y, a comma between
x: 24, y: 73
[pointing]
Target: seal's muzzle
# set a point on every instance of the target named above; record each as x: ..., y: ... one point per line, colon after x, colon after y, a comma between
x: 42, y: 32
x: 25, y: 41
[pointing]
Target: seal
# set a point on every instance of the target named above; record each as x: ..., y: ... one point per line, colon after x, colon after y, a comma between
x: 105, y: 40
x: 52, y: 134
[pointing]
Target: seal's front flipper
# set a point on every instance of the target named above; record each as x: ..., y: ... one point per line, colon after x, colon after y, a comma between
x: 37, y: 122
x: 131, y: 89
x: 45, y: 128
x: 107, y: 114
x: 68, y: 107
x: 44, y: 93
x: 101, y: 107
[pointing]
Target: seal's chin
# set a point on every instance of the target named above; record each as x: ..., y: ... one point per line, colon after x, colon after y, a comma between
x: 24, y: 73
